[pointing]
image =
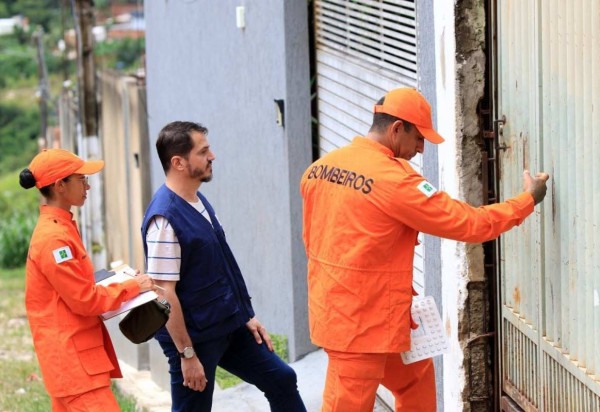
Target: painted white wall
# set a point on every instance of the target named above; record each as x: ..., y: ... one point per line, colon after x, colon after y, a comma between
x: 453, y: 256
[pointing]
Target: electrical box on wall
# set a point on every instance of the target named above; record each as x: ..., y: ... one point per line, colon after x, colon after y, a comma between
x: 279, y: 112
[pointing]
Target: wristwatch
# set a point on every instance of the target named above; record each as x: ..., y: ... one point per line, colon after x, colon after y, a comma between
x: 188, y: 353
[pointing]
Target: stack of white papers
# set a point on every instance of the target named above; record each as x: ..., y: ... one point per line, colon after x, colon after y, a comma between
x: 429, y: 339
x: 118, y: 275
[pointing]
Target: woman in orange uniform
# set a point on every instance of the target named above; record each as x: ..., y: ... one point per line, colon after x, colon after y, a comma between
x: 63, y: 302
x: 364, y: 206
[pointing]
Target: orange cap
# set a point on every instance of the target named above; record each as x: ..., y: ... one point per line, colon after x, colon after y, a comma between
x: 408, y: 104
x: 51, y: 165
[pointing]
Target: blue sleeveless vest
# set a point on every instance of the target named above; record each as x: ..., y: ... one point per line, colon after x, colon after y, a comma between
x: 211, y: 289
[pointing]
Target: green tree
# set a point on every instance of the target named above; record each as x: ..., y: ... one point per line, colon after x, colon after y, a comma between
x: 39, y: 12
x: 3, y: 10
x: 19, y: 129
x: 16, y: 63
x: 120, y: 54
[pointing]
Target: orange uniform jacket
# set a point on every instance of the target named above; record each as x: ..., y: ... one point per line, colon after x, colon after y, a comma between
x: 363, y: 210
x: 63, y: 307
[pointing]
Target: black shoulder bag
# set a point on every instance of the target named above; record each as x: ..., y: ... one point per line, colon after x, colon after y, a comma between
x: 142, y: 322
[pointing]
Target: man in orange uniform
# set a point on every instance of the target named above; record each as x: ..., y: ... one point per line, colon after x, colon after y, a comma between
x: 63, y: 302
x: 364, y: 206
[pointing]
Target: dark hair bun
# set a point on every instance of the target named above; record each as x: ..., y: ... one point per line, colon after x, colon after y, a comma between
x: 26, y: 179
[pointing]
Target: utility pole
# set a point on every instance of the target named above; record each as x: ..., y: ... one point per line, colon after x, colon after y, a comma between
x: 87, y: 69
x: 63, y: 24
x: 43, y: 93
x: 92, y: 219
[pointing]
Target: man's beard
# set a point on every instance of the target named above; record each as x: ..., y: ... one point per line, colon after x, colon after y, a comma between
x: 197, y: 173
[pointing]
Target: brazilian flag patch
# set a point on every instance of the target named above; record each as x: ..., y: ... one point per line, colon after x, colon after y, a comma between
x: 62, y: 254
x: 426, y: 188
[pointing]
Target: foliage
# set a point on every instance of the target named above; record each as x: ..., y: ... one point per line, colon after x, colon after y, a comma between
x: 21, y: 382
x: 19, y: 129
x: 18, y: 57
x: 105, y: 4
x: 15, y: 233
x: 13, y: 198
x: 19, y: 114
x: 280, y: 346
x: 17, y: 61
x: 18, y: 214
x: 21, y: 386
x: 227, y: 380
x: 121, y: 54
x: 39, y: 12
x: 11, y: 282
x: 126, y: 403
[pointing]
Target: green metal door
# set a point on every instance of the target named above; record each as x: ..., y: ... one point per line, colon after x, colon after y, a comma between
x: 549, y: 91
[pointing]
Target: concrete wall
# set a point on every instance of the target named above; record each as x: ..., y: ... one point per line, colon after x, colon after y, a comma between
x: 460, y: 36
x: 474, y: 320
x: 201, y: 67
x: 452, y: 253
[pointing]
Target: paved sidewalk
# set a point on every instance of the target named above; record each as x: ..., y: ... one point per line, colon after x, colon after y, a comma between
x: 241, y: 398
x: 139, y: 384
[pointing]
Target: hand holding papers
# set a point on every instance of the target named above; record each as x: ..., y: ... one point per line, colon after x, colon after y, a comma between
x: 118, y: 275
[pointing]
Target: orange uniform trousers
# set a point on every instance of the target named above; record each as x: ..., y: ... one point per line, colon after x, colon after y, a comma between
x: 353, y: 379
x: 97, y: 400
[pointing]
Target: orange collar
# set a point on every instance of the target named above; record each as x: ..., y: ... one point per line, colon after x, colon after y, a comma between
x: 56, y: 212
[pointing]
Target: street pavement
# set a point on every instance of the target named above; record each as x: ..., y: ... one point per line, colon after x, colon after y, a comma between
x: 241, y: 398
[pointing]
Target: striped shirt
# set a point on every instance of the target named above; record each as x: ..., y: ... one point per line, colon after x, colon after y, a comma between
x: 164, y: 252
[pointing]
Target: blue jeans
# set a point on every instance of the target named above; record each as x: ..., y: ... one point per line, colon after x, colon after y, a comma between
x: 237, y: 353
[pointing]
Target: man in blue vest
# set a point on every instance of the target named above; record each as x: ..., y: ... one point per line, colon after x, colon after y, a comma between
x: 212, y: 321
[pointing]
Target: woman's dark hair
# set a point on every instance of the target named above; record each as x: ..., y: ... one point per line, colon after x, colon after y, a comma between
x: 27, y: 181
x: 175, y: 139
x: 382, y: 120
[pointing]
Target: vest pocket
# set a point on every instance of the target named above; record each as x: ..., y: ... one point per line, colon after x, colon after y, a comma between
x: 210, y: 305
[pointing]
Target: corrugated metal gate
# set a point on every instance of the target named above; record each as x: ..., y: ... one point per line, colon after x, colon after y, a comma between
x: 363, y: 49
x: 549, y: 91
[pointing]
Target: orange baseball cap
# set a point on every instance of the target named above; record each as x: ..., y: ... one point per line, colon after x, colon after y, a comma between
x: 408, y: 104
x: 51, y: 165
